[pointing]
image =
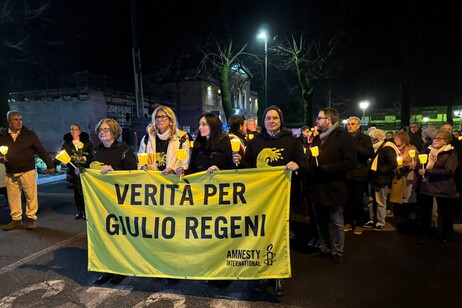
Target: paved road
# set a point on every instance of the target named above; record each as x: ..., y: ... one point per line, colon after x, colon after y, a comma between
x: 47, y: 268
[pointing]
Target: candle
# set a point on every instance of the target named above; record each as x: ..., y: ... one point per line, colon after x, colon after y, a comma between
x: 412, y: 153
x: 181, y: 154
x: 250, y: 136
x: 3, y: 149
x: 399, y: 159
x: 423, y: 158
x: 63, y: 157
x: 315, y: 153
x: 235, y: 145
x: 142, y: 158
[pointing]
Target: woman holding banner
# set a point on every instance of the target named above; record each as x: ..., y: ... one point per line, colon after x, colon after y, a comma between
x: 114, y: 155
x: 162, y: 140
x: 276, y: 146
x: 212, y: 148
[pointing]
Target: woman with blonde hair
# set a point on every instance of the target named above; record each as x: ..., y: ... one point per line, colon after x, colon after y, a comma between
x: 162, y: 140
x: 402, y: 187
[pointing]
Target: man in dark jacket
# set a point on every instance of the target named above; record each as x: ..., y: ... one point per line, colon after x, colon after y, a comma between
x: 276, y: 146
x: 19, y: 161
x: 357, y: 178
x: 415, y: 135
x: 337, y: 156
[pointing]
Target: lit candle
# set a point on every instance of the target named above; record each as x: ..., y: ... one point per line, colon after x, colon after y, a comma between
x: 399, y: 159
x: 142, y: 158
x: 315, y: 153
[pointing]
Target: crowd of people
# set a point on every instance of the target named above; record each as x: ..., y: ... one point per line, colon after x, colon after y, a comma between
x: 341, y: 170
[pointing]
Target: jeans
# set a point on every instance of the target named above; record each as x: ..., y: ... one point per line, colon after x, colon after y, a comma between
x: 335, y: 214
x: 379, y: 195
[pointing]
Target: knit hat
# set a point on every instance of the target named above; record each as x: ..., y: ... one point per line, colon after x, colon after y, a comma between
x: 275, y: 108
x: 428, y: 132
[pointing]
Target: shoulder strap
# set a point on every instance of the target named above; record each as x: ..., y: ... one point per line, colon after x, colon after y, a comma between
x: 146, y: 139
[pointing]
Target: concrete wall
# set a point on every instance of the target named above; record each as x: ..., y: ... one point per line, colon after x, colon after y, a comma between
x: 50, y: 120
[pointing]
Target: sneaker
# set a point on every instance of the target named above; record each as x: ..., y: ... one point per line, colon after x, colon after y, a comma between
x: 378, y: 227
x: 347, y: 228
x: 12, y: 225
x: 336, y: 261
x: 358, y: 230
x: 31, y: 225
x: 390, y: 213
x: 369, y: 224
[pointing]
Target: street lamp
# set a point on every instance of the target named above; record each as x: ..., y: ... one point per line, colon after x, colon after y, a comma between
x: 364, y: 105
x: 458, y: 113
x: 425, y: 120
x: 263, y: 35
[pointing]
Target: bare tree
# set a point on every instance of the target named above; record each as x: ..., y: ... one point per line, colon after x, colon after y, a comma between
x: 218, y: 61
x: 309, y: 60
x: 18, y: 30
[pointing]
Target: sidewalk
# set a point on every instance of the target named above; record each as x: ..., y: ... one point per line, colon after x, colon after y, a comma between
x: 46, y: 178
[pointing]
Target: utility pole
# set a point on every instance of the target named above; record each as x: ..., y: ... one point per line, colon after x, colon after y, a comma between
x: 138, y: 78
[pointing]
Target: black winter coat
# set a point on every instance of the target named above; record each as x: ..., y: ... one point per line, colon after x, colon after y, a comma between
x: 69, y: 147
x: 203, y: 156
x: 118, y: 155
x: 337, y: 157
x: 386, y: 166
x: 439, y: 181
x: 364, y: 151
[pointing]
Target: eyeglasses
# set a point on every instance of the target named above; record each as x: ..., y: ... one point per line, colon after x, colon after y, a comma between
x: 438, y: 138
x: 162, y: 117
x: 321, y: 118
x: 104, y: 130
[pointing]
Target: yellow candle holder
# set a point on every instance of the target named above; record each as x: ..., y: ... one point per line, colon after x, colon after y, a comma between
x: 412, y: 153
x: 3, y: 149
x: 142, y: 158
x: 423, y: 158
x: 63, y: 157
x: 315, y: 153
x: 180, y: 154
x: 250, y: 136
x: 399, y: 159
x: 235, y: 145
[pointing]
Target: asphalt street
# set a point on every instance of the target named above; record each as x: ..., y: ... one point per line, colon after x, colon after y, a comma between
x: 47, y: 267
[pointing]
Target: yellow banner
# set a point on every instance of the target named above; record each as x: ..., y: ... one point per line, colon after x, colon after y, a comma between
x: 232, y: 224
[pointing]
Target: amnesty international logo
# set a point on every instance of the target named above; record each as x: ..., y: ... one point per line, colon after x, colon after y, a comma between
x: 268, y: 155
x: 270, y: 257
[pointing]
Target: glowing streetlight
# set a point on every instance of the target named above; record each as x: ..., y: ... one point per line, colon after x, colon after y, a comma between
x: 425, y: 120
x: 364, y: 105
x: 263, y: 35
x: 458, y: 113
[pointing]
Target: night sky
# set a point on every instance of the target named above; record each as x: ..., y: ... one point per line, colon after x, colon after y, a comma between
x: 378, y: 39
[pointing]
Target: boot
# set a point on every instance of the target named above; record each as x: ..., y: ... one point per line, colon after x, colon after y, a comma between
x: 279, y: 288
x: 12, y: 225
x: 116, y: 279
x: 103, y: 279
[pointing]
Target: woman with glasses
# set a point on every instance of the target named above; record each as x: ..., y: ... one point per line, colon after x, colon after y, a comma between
x: 115, y: 155
x: 162, y: 140
x: 437, y: 182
